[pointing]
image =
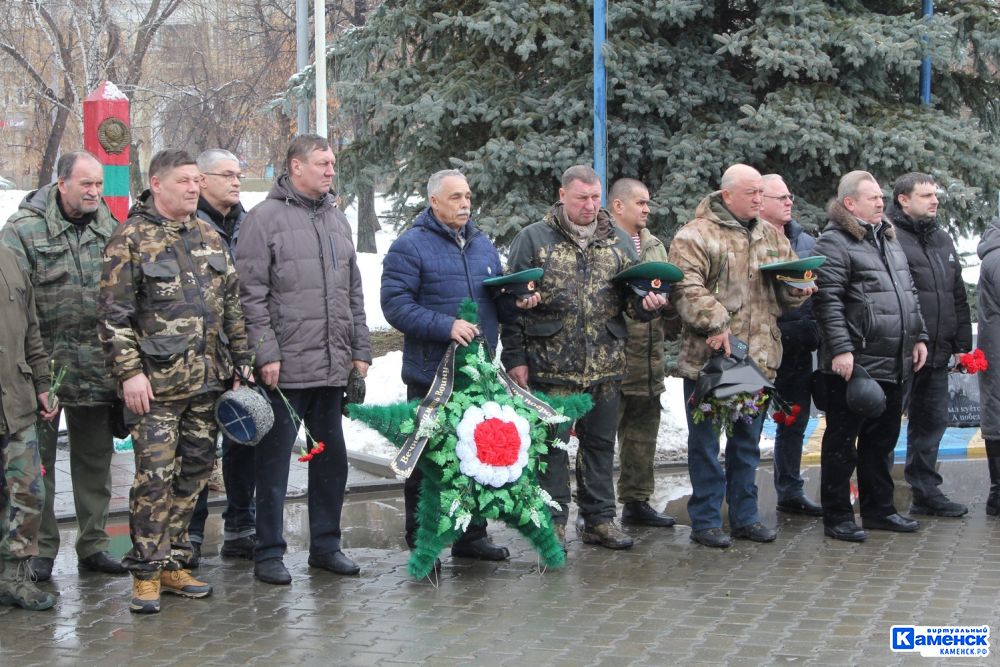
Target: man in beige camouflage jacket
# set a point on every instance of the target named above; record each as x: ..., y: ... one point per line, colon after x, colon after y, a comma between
x: 724, y: 292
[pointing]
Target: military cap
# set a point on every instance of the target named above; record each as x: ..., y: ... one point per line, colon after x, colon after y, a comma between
x: 864, y: 395
x: 521, y: 284
x: 723, y: 376
x: 646, y: 277
x: 797, y: 272
x: 244, y: 415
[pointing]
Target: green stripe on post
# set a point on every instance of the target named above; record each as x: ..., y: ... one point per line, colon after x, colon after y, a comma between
x: 116, y: 180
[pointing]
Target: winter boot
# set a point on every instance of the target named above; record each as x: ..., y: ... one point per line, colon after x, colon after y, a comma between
x: 18, y: 588
x: 993, y: 461
x: 145, y: 595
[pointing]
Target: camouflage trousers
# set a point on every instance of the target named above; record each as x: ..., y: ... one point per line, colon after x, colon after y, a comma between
x: 174, y: 447
x: 638, y: 426
x: 22, y: 494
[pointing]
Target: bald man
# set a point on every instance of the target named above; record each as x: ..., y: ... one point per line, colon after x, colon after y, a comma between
x: 723, y: 292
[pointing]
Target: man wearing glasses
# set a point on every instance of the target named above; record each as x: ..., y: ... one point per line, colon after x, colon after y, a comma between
x: 219, y: 205
x: 799, y: 338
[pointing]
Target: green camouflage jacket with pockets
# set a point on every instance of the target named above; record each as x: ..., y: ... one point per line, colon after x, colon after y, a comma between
x: 24, y: 371
x: 576, y: 335
x: 170, y: 305
x: 65, y: 268
x: 644, y: 352
x: 724, y: 288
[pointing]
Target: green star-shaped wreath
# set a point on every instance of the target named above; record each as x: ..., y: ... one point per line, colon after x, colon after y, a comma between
x: 474, y: 464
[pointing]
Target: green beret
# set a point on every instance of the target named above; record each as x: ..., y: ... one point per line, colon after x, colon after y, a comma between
x: 797, y: 272
x: 521, y: 284
x: 646, y: 277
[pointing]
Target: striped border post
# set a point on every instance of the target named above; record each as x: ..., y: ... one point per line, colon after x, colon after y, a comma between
x: 107, y: 134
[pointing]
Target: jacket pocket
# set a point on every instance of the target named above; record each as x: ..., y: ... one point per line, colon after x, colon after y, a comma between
x: 162, y: 279
x: 25, y: 370
x: 217, y: 262
x: 618, y: 328
x: 166, y: 363
x: 544, y: 355
x: 52, y: 264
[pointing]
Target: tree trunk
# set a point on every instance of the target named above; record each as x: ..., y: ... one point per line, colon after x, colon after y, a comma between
x: 51, y: 153
x: 367, y: 220
x: 135, y: 184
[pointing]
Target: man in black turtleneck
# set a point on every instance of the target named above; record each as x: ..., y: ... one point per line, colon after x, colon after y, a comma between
x: 219, y: 205
x: 937, y: 275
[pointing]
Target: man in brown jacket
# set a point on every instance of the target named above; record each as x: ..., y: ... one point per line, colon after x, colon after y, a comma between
x: 639, y: 408
x: 724, y: 292
x: 305, y: 314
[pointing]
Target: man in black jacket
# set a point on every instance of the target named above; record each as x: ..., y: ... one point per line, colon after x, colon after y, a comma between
x: 799, y: 338
x: 219, y: 205
x: 937, y: 274
x: 869, y: 317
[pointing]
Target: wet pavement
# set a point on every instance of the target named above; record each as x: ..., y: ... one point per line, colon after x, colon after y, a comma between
x: 803, y: 599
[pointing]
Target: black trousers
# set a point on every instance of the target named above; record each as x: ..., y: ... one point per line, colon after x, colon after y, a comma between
x: 411, y: 492
x: 850, y: 442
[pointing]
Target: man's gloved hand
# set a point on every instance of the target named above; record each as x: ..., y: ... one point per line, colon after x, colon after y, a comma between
x: 355, y: 390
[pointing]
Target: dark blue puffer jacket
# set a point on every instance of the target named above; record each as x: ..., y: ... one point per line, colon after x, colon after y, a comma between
x: 425, y: 276
x: 799, y: 331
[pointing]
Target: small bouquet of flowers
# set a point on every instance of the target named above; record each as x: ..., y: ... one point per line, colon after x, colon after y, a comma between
x: 313, y: 447
x: 786, y: 414
x: 730, y: 390
x: 972, y: 362
x: 727, y: 412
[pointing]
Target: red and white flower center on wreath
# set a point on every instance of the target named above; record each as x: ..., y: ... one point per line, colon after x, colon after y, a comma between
x: 492, y: 444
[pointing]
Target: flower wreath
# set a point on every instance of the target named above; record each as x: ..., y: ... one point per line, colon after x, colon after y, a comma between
x: 483, y: 455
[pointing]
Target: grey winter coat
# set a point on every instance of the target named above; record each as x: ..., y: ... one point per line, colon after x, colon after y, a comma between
x: 866, y: 303
x: 989, y: 330
x: 301, y: 289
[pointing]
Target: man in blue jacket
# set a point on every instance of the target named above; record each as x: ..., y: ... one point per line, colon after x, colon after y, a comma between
x: 441, y: 260
x: 799, y: 338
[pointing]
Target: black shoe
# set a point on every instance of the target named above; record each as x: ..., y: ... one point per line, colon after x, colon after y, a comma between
x: 334, y: 561
x: 712, y: 537
x: 481, y: 549
x: 241, y: 547
x: 40, y: 568
x: 800, y: 505
x: 756, y: 532
x: 272, y: 571
x: 607, y: 535
x: 641, y: 514
x: 993, y: 503
x: 102, y: 562
x: 847, y: 531
x: 938, y: 506
x: 894, y: 522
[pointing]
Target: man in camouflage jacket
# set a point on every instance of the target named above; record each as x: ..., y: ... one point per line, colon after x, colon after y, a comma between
x: 58, y: 234
x: 574, y: 340
x: 724, y: 292
x: 639, y: 409
x: 24, y: 385
x: 172, y: 328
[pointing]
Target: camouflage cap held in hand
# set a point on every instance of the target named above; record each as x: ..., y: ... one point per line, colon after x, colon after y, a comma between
x: 521, y: 284
x: 797, y: 272
x: 646, y: 277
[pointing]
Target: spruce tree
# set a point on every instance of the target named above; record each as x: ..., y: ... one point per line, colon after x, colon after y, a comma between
x: 502, y: 89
